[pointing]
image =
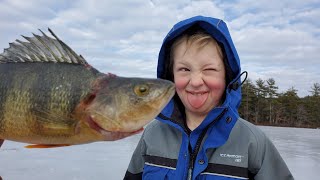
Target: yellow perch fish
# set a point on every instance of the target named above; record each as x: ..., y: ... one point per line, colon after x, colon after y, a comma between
x: 50, y: 95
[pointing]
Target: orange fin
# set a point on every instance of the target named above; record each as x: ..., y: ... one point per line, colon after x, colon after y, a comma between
x: 46, y: 145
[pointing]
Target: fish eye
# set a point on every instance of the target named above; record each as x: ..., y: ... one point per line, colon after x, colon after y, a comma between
x: 141, y: 90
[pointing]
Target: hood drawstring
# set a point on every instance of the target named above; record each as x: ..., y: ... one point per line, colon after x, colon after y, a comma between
x: 235, y: 85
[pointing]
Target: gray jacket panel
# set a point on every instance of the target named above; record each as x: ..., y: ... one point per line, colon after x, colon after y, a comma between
x: 247, y: 147
x: 250, y: 148
x: 158, y: 139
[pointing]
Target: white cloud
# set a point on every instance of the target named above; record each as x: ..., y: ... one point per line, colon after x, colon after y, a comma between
x: 278, y: 39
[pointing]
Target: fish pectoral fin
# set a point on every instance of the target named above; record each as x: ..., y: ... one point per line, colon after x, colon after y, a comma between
x: 53, y: 123
x: 46, y: 145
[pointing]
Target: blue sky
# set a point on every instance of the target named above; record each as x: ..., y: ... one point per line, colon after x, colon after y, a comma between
x: 279, y: 40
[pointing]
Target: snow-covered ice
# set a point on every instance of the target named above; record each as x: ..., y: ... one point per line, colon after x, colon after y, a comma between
x: 299, y: 147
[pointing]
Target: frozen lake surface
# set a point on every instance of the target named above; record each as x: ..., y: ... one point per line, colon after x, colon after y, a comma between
x: 299, y: 147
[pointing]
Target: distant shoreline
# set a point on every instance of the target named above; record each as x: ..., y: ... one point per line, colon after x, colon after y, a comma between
x: 285, y: 125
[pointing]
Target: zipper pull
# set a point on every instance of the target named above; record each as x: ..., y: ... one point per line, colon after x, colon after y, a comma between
x: 189, y: 174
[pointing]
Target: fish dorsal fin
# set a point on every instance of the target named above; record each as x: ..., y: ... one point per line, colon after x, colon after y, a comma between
x: 41, y: 49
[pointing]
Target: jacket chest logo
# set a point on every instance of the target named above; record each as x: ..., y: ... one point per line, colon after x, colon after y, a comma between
x: 237, y: 158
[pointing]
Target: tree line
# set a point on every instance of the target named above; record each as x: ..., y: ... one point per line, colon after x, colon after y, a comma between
x: 262, y: 104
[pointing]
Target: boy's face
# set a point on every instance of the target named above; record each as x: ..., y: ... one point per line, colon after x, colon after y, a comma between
x: 199, y: 76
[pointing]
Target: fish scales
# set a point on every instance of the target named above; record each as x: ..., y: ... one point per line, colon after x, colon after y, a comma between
x: 34, y: 94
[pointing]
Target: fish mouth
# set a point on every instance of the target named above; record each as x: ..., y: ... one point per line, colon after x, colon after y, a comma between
x: 110, y: 135
x: 95, y: 125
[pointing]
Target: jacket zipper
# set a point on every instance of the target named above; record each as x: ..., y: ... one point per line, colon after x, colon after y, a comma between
x: 195, y: 152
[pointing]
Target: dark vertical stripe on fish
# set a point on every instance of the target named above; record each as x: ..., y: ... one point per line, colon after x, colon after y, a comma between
x: 52, y: 95
x: 40, y: 96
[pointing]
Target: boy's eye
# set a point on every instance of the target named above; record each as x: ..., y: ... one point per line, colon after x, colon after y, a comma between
x: 183, y: 69
x: 210, y: 69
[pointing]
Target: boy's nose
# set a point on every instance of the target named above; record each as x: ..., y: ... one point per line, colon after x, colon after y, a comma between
x: 196, y: 80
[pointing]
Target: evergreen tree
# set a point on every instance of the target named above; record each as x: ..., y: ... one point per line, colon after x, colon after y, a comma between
x: 262, y: 104
x: 315, y: 90
x: 312, y: 104
x: 271, y: 89
x: 261, y: 107
x: 246, y: 109
x: 290, y: 102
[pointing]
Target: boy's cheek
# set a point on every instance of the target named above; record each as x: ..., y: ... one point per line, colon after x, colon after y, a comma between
x: 180, y: 83
x: 215, y: 84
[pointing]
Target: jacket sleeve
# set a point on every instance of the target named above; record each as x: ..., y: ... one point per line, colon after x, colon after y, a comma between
x: 135, y: 169
x: 268, y: 164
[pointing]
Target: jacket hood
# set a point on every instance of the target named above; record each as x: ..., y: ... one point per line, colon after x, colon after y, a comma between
x: 218, y: 30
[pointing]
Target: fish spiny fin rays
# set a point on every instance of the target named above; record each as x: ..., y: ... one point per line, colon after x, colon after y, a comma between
x: 41, y: 49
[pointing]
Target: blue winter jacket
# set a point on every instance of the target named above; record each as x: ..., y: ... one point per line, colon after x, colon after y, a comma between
x: 222, y: 147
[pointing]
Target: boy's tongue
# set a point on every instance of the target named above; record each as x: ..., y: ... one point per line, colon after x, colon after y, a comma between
x: 197, y: 100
